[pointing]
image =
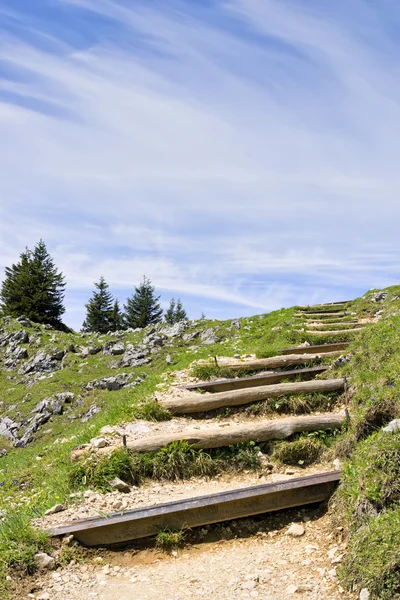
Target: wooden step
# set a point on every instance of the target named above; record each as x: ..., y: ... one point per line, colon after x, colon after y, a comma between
x: 275, y: 362
x: 196, y: 403
x: 333, y: 332
x: 332, y: 304
x: 321, y: 324
x: 255, y: 381
x: 315, y: 349
x: 326, y: 315
x: 257, y: 430
x: 312, y: 310
x: 201, y: 510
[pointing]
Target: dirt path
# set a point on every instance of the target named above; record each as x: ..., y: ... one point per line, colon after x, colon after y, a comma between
x: 260, y: 561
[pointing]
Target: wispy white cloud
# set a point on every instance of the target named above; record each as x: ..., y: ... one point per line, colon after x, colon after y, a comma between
x: 244, y: 152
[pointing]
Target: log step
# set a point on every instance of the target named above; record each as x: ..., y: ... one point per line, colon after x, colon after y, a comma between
x: 326, y: 315
x: 257, y: 431
x: 315, y: 349
x: 333, y: 332
x: 313, y: 310
x: 312, y: 325
x: 314, y: 306
x: 195, y: 403
x: 256, y: 380
x: 276, y: 362
x: 201, y: 510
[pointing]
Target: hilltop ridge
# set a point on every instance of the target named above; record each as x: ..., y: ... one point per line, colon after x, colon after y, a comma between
x: 60, y: 390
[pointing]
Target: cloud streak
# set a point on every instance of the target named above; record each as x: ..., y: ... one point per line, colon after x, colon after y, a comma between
x: 242, y: 154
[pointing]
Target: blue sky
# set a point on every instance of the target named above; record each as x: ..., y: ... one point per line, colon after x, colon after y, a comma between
x: 243, y: 154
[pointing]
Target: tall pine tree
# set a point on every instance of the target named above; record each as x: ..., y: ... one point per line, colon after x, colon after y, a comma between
x: 34, y: 288
x: 143, y: 307
x: 99, y: 309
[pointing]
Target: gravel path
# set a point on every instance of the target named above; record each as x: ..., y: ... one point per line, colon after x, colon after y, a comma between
x: 267, y: 564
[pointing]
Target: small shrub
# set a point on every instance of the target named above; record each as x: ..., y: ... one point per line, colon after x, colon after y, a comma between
x: 169, y: 539
x: 177, y: 461
x: 19, y: 542
x: 303, y: 451
x: 243, y: 456
x: 98, y: 472
x: 151, y: 411
x: 206, y: 372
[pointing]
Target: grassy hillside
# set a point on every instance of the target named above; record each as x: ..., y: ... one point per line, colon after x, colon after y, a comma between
x: 35, y: 477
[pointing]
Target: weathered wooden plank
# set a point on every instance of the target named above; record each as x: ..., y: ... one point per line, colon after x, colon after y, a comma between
x: 202, y: 510
x: 195, y: 403
x: 257, y: 431
x: 275, y: 362
x: 255, y: 380
x: 333, y: 332
x: 323, y: 348
x: 320, y: 324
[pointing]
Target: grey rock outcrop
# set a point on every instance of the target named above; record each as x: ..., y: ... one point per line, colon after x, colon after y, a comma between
x: 40, y: 363
x: 9, y: 429
x: 135, y: 356
x: 114, y: 348
x: 110, y: 383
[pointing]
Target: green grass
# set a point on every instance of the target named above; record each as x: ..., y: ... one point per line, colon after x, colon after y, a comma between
x: 177, y: 461
x: 19, y: 542
x: 168, y: 540
x: 300, y: 452
x: 35, y: 478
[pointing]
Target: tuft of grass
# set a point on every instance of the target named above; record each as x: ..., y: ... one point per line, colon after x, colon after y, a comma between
x: 19, y: 542
x: 177, y: 461
x: 300, y: 452
x: 168, y: 540
x: 372, y: 478
x: 373, y: 557
x: 207, y: 372
x: 238, y: 457
x: 151, y: 411
x: 98, y: 472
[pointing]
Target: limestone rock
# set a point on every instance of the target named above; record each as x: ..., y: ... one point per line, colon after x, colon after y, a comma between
x: 99, y: 442
x: 110, y: 383
x: 55, y: 509
x: 393, y: 426
x: 44, y: 562
x: 9, y: 429
x: 120, y: 485
x: 364, y: 594
x: 295, y: 530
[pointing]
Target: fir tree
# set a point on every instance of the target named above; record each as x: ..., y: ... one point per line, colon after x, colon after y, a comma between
x: 180, y: 312
x: 170, y: 312
x: 99, y: 309
x: 116, y: 317
x: 175, y: 312
x: 143, y: 307
x: 34, y: 288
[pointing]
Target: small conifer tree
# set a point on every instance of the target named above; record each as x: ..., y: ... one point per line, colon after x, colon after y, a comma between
x: 34, y: 288
x: 99, y: 309
x: 116, y: 317
x: 180, y: 312
x: 175, y: 312
x: 170, y: 312
x: 143, y: 307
